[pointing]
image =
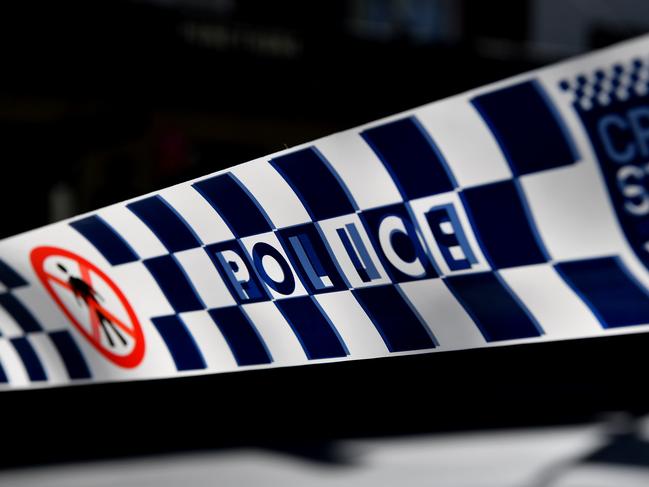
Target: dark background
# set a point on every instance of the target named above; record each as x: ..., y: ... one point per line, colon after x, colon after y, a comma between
x: 105, y: 100
x: 102, y: 101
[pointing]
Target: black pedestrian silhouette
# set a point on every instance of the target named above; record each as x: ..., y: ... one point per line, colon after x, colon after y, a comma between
x: 84, y: 292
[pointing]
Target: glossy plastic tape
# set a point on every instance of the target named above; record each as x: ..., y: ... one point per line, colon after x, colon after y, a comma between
x: 514, y: 213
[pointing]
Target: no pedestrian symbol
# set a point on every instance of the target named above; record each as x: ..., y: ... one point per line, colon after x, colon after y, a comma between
x: 92, y: 302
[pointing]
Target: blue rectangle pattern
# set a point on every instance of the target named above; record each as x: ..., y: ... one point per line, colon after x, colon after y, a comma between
x: 174, y: 283
x: 3, y: 375
x: 9, y: 277
x: 608, y: 289
x: 70, y: 354
x: 19, y: 313
x: 105, y: 239
x: 170, y: 228
x: 400, y: 327
x: 316, y: 334
x: 503, y: 225
x: 236, y: 205
x: 32, y: 363
x: 525, y: 125
x: 315, y: 182
x: 411, y: 157
x: 498, y: 312
x: 180, y: 343
x: 241, y: 335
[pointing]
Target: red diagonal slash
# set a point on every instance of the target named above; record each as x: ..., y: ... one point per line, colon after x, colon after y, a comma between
x: 58, y: 280
x: 95, y: 306
x: 120, y: 324
x: 94, y: 320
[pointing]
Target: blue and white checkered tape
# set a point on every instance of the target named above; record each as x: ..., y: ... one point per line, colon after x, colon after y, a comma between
x: 515, y: 213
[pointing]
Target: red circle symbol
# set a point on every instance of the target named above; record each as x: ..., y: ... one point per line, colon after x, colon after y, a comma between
x: 92, y: 302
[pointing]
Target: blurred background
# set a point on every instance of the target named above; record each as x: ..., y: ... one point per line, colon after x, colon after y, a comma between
x: 105, y: 100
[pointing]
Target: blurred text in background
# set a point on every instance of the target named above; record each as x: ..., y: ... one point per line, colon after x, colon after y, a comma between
x: 103, y: 101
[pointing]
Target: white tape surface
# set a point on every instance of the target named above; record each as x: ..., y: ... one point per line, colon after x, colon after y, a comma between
x: 515, y: 213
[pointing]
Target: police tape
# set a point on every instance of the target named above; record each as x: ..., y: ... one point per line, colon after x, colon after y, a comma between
x: 514, y: 213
